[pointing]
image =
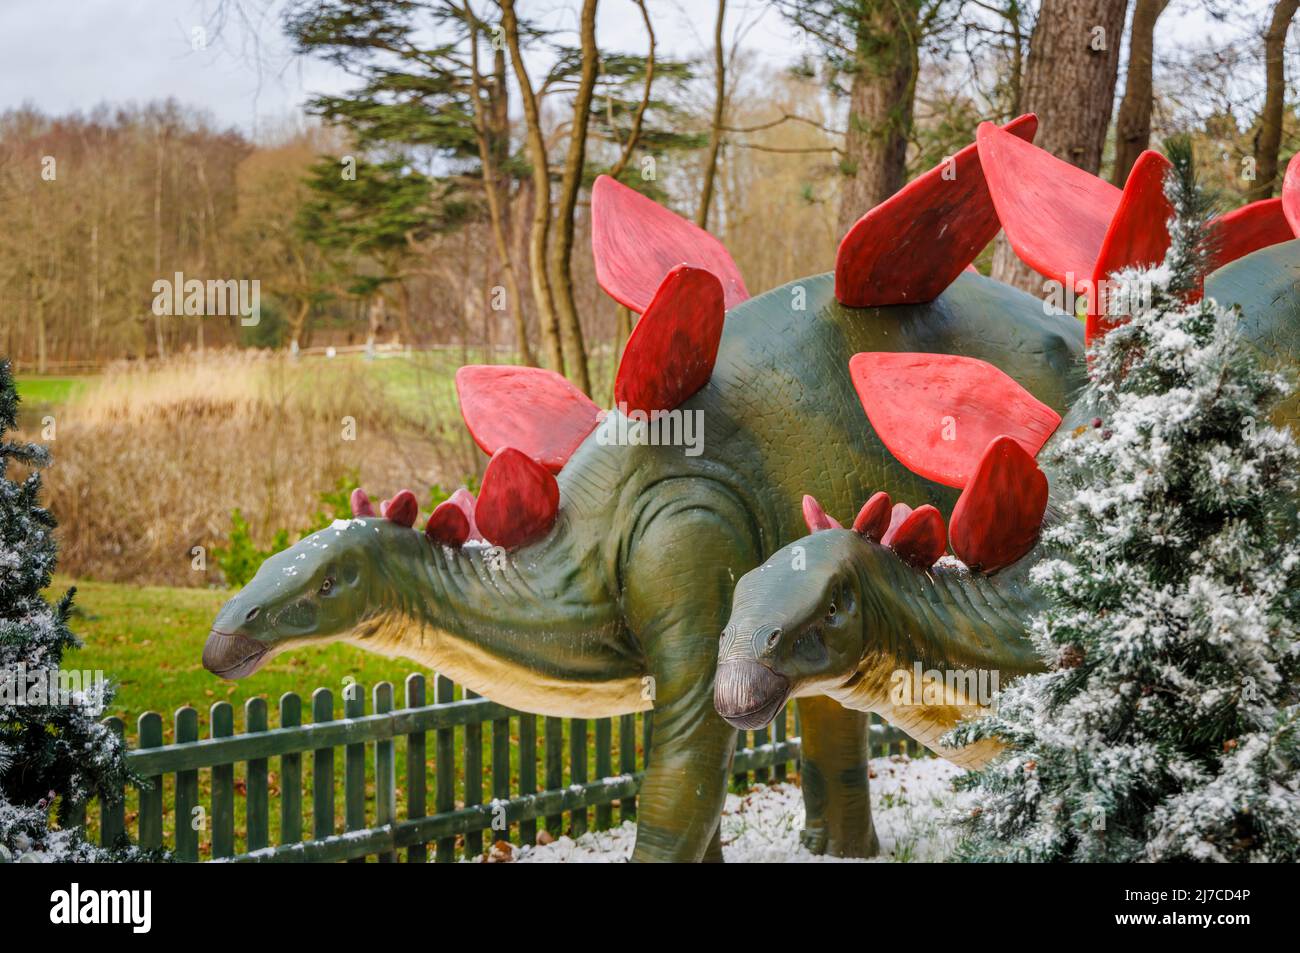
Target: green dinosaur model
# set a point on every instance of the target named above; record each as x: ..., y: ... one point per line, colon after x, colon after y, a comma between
x: 609, y: 554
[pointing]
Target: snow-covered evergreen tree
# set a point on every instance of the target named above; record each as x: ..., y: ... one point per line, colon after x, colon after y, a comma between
x: 53, y: 751
x: 1166, y: 727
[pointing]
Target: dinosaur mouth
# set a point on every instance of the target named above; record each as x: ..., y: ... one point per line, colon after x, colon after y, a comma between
x: 232, y: 656
x: 748, y: 694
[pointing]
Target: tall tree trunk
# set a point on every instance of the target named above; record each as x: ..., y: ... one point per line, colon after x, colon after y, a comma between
x: 561, y: 251
x: 1133, y: 126
x: 491, y: 126
x: 1070, y: 83
x: 541, y: 225
x: 719, y: 108
x: 1268, y: 132
x: 880, y: 107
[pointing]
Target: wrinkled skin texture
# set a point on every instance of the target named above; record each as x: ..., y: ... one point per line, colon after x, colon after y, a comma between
x: 620, y: 606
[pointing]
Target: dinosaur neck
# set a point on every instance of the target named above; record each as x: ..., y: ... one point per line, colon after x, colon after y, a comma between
x: 939, y: 644
x: 534, y: 629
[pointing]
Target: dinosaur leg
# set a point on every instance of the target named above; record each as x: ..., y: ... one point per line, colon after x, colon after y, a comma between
x: 682, y: 564
x: 713, y: 853
x: 835, y: 792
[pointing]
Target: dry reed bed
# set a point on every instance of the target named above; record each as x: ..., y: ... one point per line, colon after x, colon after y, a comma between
x: 150, y: 462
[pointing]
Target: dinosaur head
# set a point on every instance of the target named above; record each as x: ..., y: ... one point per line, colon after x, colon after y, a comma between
x: 795, y: 621
x: 322, y: 586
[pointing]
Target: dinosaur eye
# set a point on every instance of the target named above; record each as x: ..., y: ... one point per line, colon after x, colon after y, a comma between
x: 830, y: 613
x: 326, y: 586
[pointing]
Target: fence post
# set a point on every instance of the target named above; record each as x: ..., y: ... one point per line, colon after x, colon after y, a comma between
x: 554, y: 728
x: 322, y: 769
x: 187, y: 790
x: 415, y: 768
x: 778, y: 736
x: 444, y: 796
x: 221, y: 719
x: 528, y: 772
x: 151, y: 791
x: 257, y: 823
x: 354, y: 767
x: 500, y: 774
x: 604, y: 768
x: 112, y: 810
x: 290, y: 774
x: 385, y: 771
x: 473, y: 778
x: 627, y: 762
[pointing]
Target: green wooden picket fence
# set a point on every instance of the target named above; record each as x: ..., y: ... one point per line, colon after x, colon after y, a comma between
x: 384, y: 756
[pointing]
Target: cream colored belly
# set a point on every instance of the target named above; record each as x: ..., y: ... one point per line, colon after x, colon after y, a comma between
x: 505, y: 682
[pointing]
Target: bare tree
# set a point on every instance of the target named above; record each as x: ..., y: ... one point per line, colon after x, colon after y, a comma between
x: 719, y: 108
x: 1268, y: 133
x: 561, y: 251
x: 1133, y: 125
x: 1070, y: 83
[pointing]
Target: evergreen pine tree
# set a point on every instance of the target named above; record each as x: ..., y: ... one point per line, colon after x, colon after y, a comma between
x: 1166, y: 727
x: 53, y: 750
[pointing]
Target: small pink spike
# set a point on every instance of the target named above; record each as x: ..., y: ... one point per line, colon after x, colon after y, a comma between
x: 636, y: 242
x: 1138, y: 234
x: 1291, y: 193
x: 998, y: 516
x: 447, y: 525
x: 816, y: 517
x: 671, y: 351
x: 913, y: 245
x: 1055, y: 215
x: 897, y: 516
x: 873, y: 519
x: 937, y: 412
x: 920, y: 539
x: 519, y: 500
x: 402, y: 509
x: 465, y: 500
x: 383, y: 507
x: 361, y: 503
x: 534, y: 410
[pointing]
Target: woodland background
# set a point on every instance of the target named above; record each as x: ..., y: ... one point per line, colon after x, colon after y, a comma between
x: 436, y: 213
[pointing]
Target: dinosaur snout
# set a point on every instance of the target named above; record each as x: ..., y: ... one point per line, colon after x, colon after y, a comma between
x: 748, y: 694
x: 232, y: 656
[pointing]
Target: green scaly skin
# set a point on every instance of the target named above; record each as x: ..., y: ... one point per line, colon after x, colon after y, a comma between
x: 838, y: 614
x: 618, y: 608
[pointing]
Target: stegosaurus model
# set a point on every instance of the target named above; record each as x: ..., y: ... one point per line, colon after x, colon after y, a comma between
x: 595, y: 570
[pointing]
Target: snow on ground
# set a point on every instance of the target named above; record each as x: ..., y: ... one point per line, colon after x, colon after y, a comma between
x: 910, y: 799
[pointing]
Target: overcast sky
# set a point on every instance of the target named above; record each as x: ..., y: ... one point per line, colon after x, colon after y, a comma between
x: 70, y: 55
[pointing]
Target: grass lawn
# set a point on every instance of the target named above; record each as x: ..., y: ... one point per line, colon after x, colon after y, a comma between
x: 48, y: 390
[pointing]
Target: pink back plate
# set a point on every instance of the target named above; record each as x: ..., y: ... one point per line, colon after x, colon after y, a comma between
x: 1138, y: 235
x: 1291, y: 193
x: 998, y: 516
x: 447, y: 524
x: 636, y: 242
x: 915, y: 243
x: 519, y: 499
x: 872, y: 520
x: 671, y: 351
x: 920, y: 539
x: 1055, y: 215
x: 937, y: 412
x: 1251, y: 228
x: 534, y: 410
x: 815, y: 517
